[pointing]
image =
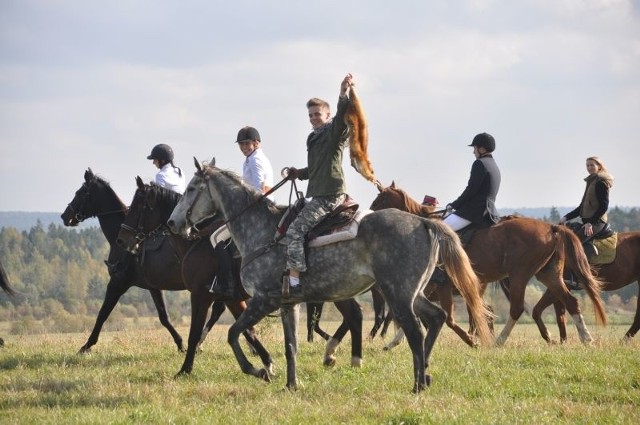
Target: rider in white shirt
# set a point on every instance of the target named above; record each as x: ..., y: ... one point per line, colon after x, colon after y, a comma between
x: 168, y: 175
x: 256, y: 172
x: 256, y: 169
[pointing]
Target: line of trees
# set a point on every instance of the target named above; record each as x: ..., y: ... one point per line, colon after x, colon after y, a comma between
x: 60, y: 278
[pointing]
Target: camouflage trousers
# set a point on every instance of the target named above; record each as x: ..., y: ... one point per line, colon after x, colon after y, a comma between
x: 312, y: 213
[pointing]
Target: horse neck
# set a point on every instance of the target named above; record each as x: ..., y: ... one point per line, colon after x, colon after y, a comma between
x: 110, y: 213
x: 254, y: 228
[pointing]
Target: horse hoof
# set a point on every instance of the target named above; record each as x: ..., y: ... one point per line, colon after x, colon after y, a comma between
x: 84, y: 350
x: 329, y: 361
x: 264, y: 375
x: 182, y: 373
x: 356, y: 362
x: 427, y: 379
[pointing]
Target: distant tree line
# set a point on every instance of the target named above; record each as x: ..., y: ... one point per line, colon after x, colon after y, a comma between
x: 60, y: 278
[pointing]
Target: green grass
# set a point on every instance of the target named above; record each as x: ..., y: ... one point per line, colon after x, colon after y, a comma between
x: 129, y: 378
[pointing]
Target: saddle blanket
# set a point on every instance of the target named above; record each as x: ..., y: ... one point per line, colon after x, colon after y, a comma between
x: 221, y: 234
x: 350, y: 231
x: 606, y: 250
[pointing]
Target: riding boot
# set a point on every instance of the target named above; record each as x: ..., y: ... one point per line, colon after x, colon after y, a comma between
x: 222, y: 285
x: 439, y: 277
x: 570, y: 280
x: 590, y: 250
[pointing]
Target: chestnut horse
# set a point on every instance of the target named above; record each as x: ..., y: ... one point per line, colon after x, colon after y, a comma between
x: 622, y: 271
x: 518, y: 248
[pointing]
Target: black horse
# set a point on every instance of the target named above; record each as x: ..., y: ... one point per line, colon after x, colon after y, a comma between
x: 6, y: 287
x: 184, y: 264
x: 96, y: 198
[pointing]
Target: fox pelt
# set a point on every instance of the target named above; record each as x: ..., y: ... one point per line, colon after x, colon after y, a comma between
x: 358, y: 135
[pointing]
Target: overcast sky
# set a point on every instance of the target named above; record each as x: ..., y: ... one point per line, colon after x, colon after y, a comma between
x: 98, y: 83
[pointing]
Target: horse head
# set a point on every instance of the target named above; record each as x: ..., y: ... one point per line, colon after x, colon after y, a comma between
x: 193, y: 207
x: 92, y: 199
x: 149, y: 210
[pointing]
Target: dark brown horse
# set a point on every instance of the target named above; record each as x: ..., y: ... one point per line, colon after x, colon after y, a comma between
x: 622, y: 271
x: 96, y: 198
x: 518, y: 248
x: 189, y: 264
x: 6, y: 287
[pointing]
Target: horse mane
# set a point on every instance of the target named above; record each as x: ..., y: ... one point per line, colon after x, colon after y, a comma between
x: 358, y: 135
x: 96, y: 179
x: 165, y: 196
x: 253, y: 195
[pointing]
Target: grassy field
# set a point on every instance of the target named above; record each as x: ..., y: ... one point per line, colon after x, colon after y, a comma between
x: 129, y: 378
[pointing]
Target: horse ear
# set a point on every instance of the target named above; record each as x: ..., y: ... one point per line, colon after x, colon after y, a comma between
x: 212, y: 163
x: 393, y: 184
x: 88, y: 175
x: 139, y: 182
x: 197, y: 163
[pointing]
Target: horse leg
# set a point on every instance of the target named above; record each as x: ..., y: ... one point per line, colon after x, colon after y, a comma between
x: 517, y: 287
x: 313, y: 321
x: 635, y: 325
x: 115, y: 289
x: 201, y: 300
x: 416, y: 339
x: 256, y: 310
x: 446, y: 302
x: 545, y: 301
x: 311, y: 313
x: 551, y: 277
x: 217, y: 309
x: 237, y: 308
x: 290, y: 316
x: 561, y: 320
x: 158, y: 300
x: 379, y: 307
x: 385, y: 326
x: 432, y: 317
x: 352, y: 321
x: 397, y: 338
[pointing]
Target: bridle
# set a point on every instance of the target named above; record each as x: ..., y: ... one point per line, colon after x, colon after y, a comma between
x: 138, y: 231
x: 78, y: 215
x: 201, y: 189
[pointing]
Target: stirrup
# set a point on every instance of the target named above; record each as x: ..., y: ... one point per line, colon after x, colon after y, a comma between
x: 286, y: 286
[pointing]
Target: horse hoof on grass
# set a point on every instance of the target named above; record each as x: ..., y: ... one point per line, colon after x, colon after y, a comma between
x: 329, y: 361
x: 264, y: 375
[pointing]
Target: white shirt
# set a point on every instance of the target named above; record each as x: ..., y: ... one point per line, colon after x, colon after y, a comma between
x: 257, y: 171
x: 169, y: 178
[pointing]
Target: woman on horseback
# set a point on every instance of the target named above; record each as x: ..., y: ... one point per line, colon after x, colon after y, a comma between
x: 168, y: 174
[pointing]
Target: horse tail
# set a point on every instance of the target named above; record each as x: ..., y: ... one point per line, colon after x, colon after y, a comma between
x: 4, y: 281
x: 458, y: 267
x: 576, y: 261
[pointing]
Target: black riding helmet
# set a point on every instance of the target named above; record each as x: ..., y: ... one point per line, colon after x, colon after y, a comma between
x: 484, y: 140
x: 161, y: 152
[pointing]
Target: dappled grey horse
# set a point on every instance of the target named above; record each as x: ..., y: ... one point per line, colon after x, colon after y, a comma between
x: 394, y: 249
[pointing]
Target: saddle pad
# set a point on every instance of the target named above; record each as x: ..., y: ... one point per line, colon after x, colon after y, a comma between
x: 350, y: 231
x: 606, y: 250
x: 220, y: 235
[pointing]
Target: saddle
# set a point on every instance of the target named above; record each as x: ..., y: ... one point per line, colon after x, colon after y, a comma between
x: 342, y: 216
x: 600, y: 247
x: 466, y: 233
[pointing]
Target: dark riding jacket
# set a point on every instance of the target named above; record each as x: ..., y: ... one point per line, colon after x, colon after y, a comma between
x: 477, y: 202
x: 595, y: 201
x: 324, y: 156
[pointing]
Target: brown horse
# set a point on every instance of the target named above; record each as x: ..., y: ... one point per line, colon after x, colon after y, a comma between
x: 622, y: 271
x: 518, y: 248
